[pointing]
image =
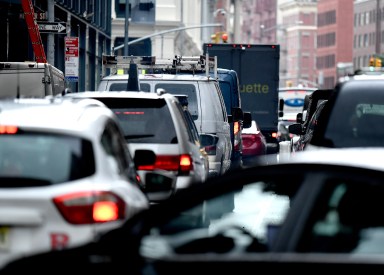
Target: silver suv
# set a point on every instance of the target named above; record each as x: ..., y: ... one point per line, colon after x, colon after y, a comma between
x: 205, y: 100
x: 157, y: 122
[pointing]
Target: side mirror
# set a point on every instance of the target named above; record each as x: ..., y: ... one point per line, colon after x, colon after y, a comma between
x: 299, y: 118
x: 281, y: 107
x: 237, y: 114
x: 247, y: 120
x: 296, y: 129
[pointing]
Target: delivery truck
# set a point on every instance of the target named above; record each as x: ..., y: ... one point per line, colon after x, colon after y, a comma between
x: 257, y: 66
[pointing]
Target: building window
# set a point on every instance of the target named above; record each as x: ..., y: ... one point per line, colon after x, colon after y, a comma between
x: 140, y: 11
x: 326, y: 18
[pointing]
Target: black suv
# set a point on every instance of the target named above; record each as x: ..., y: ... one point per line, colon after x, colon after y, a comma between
x: 354, y: 114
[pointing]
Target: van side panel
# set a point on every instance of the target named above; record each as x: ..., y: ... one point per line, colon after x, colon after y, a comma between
x: 30, y: 79
x: 29, y: 83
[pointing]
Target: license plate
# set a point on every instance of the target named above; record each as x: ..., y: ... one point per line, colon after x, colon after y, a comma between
x: 4, y: 238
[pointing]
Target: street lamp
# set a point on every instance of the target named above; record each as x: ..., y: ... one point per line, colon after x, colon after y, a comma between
x: 277, y: 27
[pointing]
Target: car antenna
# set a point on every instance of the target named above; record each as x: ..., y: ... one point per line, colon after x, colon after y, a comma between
x: 18, y: 82
x: 133, y: 77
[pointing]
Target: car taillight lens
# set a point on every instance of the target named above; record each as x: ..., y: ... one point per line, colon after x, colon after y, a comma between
x: 8, y: 129
x: 181, y: 163
x: 211, y: 150
x: 90, y: 207
x: 237, y: 136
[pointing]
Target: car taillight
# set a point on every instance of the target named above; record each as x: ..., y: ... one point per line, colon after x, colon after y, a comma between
x: 211, y: 150
x: 236, y: 127
x: 237, y: 136
x: 181, y: 163
x: 90, y: 207
x: 8, y: 129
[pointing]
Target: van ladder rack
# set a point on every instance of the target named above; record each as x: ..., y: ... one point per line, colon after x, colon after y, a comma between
x: 189, y: 64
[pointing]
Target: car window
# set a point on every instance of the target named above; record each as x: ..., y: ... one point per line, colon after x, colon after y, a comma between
x: 248, y: 218
x: 122, y: 86
x: 46, y: 157
x: 347, y: 219
x: 356, y: 119
x: 186, y: 89
x: 144, y: 120
x: 112, y: 142
x: 224, y: 110
x: 227, y: 96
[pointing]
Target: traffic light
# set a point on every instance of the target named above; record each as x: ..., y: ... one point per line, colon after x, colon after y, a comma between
x: 378, y: 62
x: 371, y: 62
x: 215, y: 38
x: 288, y: 83
x: 224, y: 37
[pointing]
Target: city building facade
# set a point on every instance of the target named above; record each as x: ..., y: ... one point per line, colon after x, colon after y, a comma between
x: 334, y: 39
x: 89, y: 21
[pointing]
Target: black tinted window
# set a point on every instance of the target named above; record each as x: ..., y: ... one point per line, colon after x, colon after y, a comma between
x: 123, y: 87
x: 143, y: 120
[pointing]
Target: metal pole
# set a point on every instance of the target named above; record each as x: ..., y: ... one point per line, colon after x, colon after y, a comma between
x: 126, y: 28
x: 168, y: 31
x: 51, y: 41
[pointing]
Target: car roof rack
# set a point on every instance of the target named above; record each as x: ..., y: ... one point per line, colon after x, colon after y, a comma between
x: 149, y: 64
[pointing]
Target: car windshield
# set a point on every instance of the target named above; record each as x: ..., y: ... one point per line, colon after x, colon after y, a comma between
x: 250, y: 215
x: 31, y: 158
x: 144, y: 120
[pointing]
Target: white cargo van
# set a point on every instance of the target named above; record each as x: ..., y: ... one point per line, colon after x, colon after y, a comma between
x: 30, y: 79
x: 205, y: 100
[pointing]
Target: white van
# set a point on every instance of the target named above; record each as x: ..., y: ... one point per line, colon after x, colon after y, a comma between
x: 30, y: 79
x: 205, y: 103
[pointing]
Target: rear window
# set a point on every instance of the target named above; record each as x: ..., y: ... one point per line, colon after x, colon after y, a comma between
x: 182, y: 89
x: 143, y: 120
x: 44, y: 158
x: 116, y: 87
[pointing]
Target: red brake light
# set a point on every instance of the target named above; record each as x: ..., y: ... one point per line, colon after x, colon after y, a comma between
x: 90, y: 207
x: 236, y: 127
x: 182, y: 164
x: 185, y: 164
x: 274, y: 134
x: 8, y: 129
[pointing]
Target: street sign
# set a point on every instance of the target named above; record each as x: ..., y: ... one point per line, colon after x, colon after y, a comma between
x: 51, y: 27
x: 71, y: 58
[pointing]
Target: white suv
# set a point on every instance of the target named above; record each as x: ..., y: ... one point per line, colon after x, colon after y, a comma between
x: 65, y: 175
x: 205, y: 103
x: 157, y: 122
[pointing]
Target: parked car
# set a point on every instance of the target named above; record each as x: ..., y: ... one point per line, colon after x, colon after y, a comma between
x: 206, y: 102
x: 320, y: 211
x: 157, y: 122
x: 254, y: 145
x: 65, y: 175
